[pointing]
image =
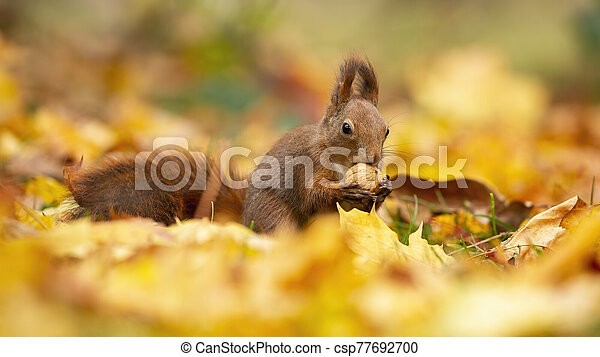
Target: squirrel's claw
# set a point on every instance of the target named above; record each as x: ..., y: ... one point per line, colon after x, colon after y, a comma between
x: 385, y: 188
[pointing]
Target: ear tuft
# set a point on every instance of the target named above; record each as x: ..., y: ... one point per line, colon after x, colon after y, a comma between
x: 366, y: 84
x: 343, y: 88
x: 368, y: 87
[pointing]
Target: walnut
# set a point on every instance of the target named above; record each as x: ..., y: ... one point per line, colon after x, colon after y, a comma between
x: 368, y: 177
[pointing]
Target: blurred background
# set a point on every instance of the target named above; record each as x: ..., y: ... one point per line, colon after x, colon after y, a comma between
x: 512, y: 86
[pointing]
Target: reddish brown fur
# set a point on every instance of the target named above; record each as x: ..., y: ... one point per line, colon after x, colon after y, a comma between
x: 221, y: 201
x: 108, y: 190
x: 274, y: 208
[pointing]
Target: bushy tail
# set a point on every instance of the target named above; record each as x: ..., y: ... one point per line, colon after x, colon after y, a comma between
x: 108, y: 191
x: 221, y: 201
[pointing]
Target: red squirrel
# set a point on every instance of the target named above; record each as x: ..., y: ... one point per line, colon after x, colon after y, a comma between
x: 351, y: 124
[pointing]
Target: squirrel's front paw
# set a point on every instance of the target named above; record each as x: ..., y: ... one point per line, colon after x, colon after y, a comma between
x: 357, y: 194
x: 384, y: 189
x: 353, y: 196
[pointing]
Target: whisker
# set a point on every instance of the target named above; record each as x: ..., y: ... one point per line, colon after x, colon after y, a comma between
x: 393, y: 145
x: 393, y: 124
x: 400, y: 154
x: 406, y: 143
x: 402, y: 112
x: 389, y: 150
x: 394, y: 160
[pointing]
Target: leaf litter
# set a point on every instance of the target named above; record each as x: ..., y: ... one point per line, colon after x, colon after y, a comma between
x: 526, y: 267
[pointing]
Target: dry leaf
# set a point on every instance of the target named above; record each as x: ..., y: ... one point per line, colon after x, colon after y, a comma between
x: 540, y: 232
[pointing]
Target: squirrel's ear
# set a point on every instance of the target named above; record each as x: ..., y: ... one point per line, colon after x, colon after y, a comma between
x: 343, y: 88
x: 368, y: 86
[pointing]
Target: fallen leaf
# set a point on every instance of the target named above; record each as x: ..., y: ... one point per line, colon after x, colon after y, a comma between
x: 575, y: 253
x: 375, y: 244
x: 31, y: 217
x: 49, y: 190
x: 540, y: 232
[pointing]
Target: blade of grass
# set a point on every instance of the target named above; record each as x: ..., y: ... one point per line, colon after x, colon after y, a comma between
x: 493, y: 204
x: 499, y: 222
x: 441, y: 199
x: 498, y: 236
x: 412, y: 220
x: 592, y: 193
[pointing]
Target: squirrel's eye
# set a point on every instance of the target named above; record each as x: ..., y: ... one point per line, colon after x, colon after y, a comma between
x: 387, y: 132
x: 346, y: 129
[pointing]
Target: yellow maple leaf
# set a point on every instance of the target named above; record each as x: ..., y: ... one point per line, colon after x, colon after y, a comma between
x: 32, y: 218
x: 375, y: 244
x: 49, y: 190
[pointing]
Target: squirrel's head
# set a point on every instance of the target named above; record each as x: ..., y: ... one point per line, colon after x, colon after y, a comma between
x: 352, y: 120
